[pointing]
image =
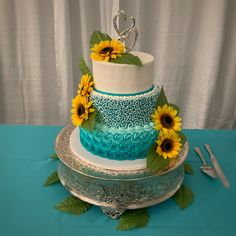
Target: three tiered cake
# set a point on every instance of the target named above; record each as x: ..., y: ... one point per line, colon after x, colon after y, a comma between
x: 117, y: 110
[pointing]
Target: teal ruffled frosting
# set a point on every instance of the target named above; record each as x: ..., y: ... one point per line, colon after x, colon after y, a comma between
x: 117, y: 111
x: 119, y: 144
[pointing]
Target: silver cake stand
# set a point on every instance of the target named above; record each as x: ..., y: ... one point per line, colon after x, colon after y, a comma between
x: 115, y: 191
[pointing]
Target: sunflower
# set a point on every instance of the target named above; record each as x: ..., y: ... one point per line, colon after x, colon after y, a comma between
x: 81, y: 108
x: 165, y: 118
x: 168, y: 144
x: 106, y: 50
x: 85, y: 86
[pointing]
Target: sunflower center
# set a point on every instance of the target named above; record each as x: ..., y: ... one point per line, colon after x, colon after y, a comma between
x: 106, y: 50
x: 167, y: 145
x: 167, y: 121
x: 80, y: 110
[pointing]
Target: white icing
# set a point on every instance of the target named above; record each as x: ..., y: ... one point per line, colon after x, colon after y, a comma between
x: 104, y: 163
x: 122, y: 78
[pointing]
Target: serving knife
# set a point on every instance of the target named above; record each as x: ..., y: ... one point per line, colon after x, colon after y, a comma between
x: 205, y: 168
x: 217, y: 167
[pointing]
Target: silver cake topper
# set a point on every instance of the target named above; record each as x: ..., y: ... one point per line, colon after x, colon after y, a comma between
x: 124, y: 35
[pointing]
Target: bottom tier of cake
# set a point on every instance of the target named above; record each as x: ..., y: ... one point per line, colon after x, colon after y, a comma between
x: 119, y: 144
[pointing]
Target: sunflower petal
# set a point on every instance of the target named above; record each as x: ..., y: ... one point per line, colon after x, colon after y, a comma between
x: 91, y: 110
x: 177, y: 118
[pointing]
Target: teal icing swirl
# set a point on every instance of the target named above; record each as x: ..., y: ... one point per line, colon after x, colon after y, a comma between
x: 119, y: 144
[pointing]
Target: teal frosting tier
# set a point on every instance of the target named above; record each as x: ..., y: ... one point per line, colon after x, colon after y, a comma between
x: 125, y: 111
x: 119, y: 144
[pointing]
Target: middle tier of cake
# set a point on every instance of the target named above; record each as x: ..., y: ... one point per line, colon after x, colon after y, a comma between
x: 124, y: 128
x: 123, y: 111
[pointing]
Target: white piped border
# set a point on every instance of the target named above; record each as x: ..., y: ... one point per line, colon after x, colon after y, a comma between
x: 155, y: 90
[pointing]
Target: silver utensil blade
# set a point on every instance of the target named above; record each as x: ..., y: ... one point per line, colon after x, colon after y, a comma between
x: 217, y: 167
x: 205, y: 168
x: 209, y: 171
x: 219, y: 172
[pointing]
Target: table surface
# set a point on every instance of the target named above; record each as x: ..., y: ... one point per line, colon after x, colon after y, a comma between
x: 26, y: 206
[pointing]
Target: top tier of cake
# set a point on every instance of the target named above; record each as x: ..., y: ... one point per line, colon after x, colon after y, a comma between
x: 123, y: 78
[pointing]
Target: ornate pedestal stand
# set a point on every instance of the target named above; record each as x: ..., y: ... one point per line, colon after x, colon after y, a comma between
x: 115, y: 191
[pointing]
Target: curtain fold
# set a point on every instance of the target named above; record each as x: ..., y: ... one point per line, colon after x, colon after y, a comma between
x: 193, y: 42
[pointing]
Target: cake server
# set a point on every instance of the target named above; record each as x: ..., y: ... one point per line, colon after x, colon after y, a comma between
x: 217, y: 167
x: 205, y: 168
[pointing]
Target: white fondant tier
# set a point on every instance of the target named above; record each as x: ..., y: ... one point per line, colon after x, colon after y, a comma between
x: 122, y: 78
x: 95, y: 160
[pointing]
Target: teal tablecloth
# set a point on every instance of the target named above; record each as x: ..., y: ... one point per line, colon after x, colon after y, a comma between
x: 26, y: 207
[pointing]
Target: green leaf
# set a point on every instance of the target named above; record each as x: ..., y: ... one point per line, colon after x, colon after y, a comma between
x: 127, y: 58
x: 97, y: 37
x: 188, y: 169
x: 52, y: 179
x: 175, y: 107
x: 133, y: 219
x: 183, y: 197
x: 54, y: 156
x: 90, y: 123
x: 155, y: 162
x: 183, y: 137
x: 162, y: 99
x: 84, y: 68
x: 73, y: 205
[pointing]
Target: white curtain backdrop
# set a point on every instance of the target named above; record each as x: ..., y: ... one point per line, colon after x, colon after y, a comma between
x: 193, y: 42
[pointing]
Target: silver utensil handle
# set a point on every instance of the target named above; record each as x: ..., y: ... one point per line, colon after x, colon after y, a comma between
x: 198, y: 151
x: 208, y: 148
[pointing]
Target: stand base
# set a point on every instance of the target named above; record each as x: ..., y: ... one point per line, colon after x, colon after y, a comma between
x: 112, y: 213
